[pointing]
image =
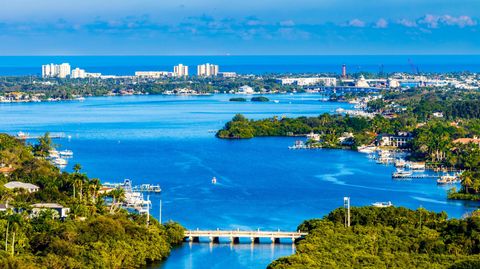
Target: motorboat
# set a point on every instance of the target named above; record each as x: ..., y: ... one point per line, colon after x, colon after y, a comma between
x: 66, y: 153
x: 401, y: 174
x: 382, y: 204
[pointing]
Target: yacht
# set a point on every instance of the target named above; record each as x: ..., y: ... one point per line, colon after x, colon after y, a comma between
x: 214, y: 180
x: 416, y: 166
x: 60, y: 161
x: 66, y: 153
x: 401, y: 174
x: 366, y: 149
x: 448, y: 179
x: 400, y: 163
x: 382, y: 204
x: 53, y: 153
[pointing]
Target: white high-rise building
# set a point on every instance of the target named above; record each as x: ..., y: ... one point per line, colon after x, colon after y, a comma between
x: 207, y: 70
x: 55, y: 70
x: 180, y: 70
x: 78, y: 73
x: 64, y: 70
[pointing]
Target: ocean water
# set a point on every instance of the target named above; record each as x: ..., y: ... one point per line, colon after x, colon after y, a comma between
x: 127, y: 65
x: 168, y: 140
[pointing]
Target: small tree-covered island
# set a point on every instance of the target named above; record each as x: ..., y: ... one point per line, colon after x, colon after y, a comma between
x: 53, y: 219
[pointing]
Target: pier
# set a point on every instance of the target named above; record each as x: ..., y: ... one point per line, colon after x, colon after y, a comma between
x: 416, y: 176
x: 234, y: 236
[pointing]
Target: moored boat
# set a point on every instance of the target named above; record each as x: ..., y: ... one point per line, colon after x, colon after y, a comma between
x: 401, y: 174
x: 382, y: 204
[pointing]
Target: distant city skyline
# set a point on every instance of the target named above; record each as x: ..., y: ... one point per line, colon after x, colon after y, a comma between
x: 215, y: 27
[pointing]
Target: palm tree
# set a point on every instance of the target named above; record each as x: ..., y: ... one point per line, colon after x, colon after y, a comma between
x: 467, y: 180
x: 15, y: 221
x: 76, y: 168
x: 117, y: 195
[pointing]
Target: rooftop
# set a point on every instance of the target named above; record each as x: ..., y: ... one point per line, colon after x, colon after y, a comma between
x: 18, y: 184
x: 47, y: 205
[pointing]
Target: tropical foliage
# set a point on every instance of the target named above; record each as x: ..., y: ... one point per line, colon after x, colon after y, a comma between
x: 387, y: 238
x: 92, y: 236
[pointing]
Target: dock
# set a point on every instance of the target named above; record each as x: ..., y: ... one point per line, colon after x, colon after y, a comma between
x: 416, y: 176
x: 234, y: 236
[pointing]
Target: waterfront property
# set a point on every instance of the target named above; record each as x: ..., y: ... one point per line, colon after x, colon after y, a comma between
x: 61, y: 211
x: 235, y: 236
x: 21, y: 185
x: 399, y: 140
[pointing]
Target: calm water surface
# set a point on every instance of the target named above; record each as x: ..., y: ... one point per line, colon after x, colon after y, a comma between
x: 167, y: 140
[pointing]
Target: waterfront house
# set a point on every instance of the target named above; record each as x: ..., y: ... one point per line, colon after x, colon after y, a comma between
x: 399, y: 140
x: 21, y: 185
x: 245, y: 90
x: 59, y: 209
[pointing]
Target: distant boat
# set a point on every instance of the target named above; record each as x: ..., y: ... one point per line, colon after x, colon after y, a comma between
x: 66, y: 153
x: 400, y: 163
x: 60, y: 161
x: 276, y: 101
x: 448, y: 179
x: 416, y: 166
x: 382, y: 204
x: 401, y: 174
x: 214, y: 180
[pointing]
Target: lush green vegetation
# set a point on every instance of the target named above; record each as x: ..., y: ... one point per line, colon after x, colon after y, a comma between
x: 387, y: 238
x: 66, y: 89
x: 92, y: 236
x: 259, y: 99
x: 238, y: 99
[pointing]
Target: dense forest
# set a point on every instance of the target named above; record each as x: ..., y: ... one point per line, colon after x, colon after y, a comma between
x: 392, y: 237
x: 93, y: 235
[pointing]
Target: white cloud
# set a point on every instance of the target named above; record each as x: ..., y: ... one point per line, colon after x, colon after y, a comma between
x: 356, y: 23
x: 381, y: 23
x: 407, y: 23
x: 434, y: 21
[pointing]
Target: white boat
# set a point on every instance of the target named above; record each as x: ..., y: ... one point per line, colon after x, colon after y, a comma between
x: 298, y: 145
x: 401, y: 174
x: 400, y: 163
x: 67, y: 153
x: 276, y: 101
x: 448, y: 179
x: 53, y: 153
x: 60, y: 161
x: 22, y: 135
x: 416, y: 166
x: 367, y: 149
x: 214, y: 180
x: 382, y: 204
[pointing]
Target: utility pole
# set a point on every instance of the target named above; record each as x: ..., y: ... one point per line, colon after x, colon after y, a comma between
x: 160, y: 218
x: 346, y: 205
x: 148, y: 209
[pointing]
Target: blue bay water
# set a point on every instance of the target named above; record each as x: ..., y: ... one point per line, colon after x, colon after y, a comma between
x: 168, y: 140
x: 127, y: 65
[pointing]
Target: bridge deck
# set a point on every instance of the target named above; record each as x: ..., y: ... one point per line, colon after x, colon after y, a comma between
x: 248, y: 234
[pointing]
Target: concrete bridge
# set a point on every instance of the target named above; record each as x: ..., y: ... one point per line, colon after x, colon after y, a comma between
x: 235, y: 235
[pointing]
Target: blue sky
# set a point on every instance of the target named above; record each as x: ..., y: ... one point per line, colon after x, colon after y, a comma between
x: 222, y: 27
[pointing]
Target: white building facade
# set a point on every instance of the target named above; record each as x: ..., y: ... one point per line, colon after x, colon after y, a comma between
x: 326, y: 81
x: 78, y: 73
x: 180, y: 70
x: 207, y: 70
x: 56, y: 70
